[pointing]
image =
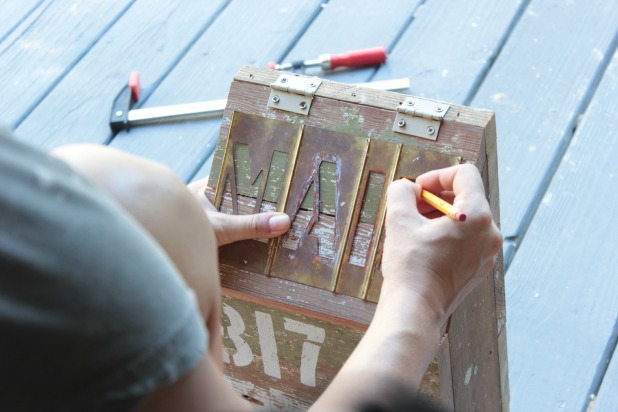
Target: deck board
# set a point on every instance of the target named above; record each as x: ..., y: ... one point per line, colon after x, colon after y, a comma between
x: 562, y: 289
x: 247, y: 32
x: 14, y: 14
x: 150, y: 37
x: 449, y: 47
x: 344, y: 26
x: 607, y: 398
x: 537, y: 88
x: 32, y: 65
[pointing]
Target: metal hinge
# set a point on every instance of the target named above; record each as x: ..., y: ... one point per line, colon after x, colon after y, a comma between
x: 293, y: 93
x: 421, y: 118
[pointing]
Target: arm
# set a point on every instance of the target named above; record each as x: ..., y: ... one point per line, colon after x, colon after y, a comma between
x: 425, y: 278
x: 188, y: 228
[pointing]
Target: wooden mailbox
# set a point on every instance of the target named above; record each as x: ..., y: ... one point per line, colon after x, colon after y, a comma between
x: 323, y: 152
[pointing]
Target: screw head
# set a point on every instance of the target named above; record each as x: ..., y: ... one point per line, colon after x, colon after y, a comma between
x: 275, y: 99
x: 303, y: 105
x: 401, y: 123
x: 411, y: 103
x: 439, y: 109
x: 430, y: 130
x: 284, y: 79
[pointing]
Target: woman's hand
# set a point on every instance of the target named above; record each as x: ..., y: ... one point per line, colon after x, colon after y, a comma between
x: 440, y: 260
x: 232, y: 228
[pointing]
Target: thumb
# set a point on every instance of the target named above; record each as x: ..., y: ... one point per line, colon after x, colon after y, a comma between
x: 232, y: 228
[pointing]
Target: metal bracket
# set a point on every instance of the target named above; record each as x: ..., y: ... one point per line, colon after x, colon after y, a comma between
x: 421, y: 118
x: 293, y: 93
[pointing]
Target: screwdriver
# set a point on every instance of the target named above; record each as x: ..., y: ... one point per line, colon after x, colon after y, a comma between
x: 352, y: 58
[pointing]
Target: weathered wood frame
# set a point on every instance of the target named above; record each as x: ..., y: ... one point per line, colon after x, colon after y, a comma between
x: 472, y: 360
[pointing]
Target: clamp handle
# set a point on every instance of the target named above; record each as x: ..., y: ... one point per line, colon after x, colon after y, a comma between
x: 119, y: 118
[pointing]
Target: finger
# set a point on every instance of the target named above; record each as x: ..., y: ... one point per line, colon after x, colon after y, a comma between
x: 401, y: 202
x: 426, y: 209
x: 463, y: 180
x: 232, y: 228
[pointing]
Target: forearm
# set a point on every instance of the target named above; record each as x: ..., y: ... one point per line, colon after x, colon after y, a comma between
x: 398, y: 346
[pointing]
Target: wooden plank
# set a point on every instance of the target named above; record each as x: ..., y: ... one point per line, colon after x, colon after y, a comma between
x: 246, y: 32
x: 13, y: 14
x: 562, y: 290
x: 449, y: 46
x: 48, y: 50
x: 537, y: 92
x: 150, y: 37
x: 607, y: 398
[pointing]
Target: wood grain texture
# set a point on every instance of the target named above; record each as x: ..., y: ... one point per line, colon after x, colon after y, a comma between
x: 13, y: 15
x: 449, y: 46
x: 562, y: 289
x: 246, y: 32
x: 48, y: 50
x: 607, y: 398
x: 537, y: 92
x: 150, y: 37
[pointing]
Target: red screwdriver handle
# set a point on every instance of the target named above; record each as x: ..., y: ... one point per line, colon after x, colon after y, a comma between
x: 356, y: 58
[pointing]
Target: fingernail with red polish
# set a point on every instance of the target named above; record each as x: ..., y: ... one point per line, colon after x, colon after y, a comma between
x: 279, y: 222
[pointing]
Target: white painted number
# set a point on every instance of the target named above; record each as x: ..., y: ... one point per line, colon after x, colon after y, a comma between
x: 311, y: 351
x: 243, y: 355
x: 268, y: 345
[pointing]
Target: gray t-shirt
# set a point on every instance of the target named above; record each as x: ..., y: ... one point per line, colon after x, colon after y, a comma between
x: 93, y: 315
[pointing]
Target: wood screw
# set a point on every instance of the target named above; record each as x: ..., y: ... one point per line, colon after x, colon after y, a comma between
x: 430, y: 130
x: 401, y: 123
x: 303, y: 105
x: 275, y: 99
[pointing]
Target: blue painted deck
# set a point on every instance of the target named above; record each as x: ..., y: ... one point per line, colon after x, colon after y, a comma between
x: 548, y: 68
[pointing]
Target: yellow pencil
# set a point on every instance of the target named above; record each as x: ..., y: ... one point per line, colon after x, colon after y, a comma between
x: 442, y: 205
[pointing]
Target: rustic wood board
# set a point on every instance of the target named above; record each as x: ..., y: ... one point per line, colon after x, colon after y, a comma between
x: 48, y: 50
x: 537, y: 97
x: 13, y: 15
x: 290, y: 355
x: 449, y: 46
x: 562, y: 289
x: 253, y: 33
x: 607, y: 398
x: 150, y: 37
x: 476, y: 363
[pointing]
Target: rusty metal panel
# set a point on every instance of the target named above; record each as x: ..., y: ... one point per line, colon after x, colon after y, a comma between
x: 366, y: 225
x: 246, y: 175
x: 302, y: 255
